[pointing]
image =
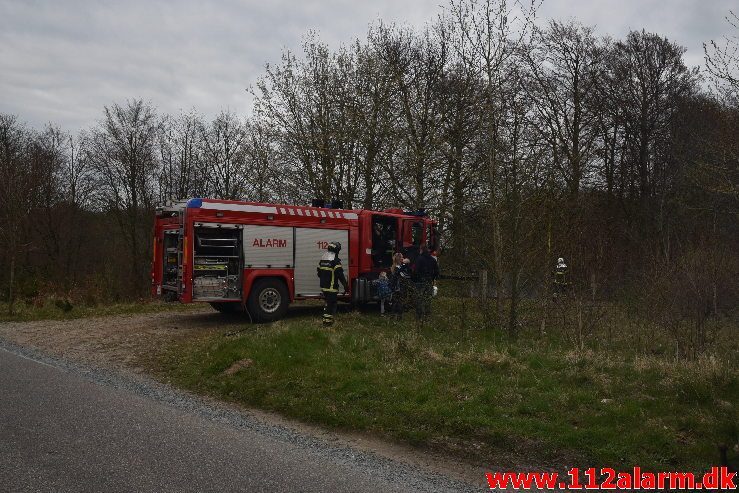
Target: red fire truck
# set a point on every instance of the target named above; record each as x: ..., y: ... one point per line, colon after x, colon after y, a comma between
x: 260, y: 257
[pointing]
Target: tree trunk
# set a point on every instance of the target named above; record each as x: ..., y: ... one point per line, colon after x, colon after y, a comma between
x: 513, y: 314
x: 11, y: 293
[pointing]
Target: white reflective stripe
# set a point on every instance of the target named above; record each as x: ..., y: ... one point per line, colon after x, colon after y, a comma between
x: 239, y: 207
x: 292, y: 212
x: 214, y: 225
x: 350, y: 215
x: 323, y: 214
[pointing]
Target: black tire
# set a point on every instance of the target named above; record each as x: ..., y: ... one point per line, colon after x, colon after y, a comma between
x: 226, y: 306
x: 268, y: 300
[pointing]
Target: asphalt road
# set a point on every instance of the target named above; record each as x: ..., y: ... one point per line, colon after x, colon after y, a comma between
x: 65, y: 428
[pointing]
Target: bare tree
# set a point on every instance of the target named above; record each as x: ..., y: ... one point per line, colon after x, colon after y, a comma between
x: 179, y: 149
x: 720, y: 173
x: 722, y: 60
x: 294, y: 99
x: 261, y: 163
x: 122, y: 150
x: 51, y: 155
x: 462, y: 177
x: 375, y: 117
x: 19, y: 172
x: 566, y: 65
x: 652, y: 76
x: 416, y: 64
x: 489, y: 35
x: 520, y: 168
x: 222, y: 163
x: 327, y: 110
x: 76, y: 176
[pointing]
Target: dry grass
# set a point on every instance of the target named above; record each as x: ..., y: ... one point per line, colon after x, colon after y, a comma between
x: 461, y: 385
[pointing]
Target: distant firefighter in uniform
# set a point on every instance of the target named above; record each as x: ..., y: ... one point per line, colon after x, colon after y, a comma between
x: 331, y: 274
x: 560, y: 276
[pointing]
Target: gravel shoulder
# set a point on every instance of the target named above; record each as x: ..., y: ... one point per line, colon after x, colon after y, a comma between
x: 118, y: 351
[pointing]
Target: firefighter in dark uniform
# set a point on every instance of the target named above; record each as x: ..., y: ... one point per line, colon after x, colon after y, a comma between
x: 560, y: 277
x: 331, y: 274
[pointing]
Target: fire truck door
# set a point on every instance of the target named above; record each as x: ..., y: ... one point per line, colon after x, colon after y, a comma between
x: 310, y: 244
x: 384, y: 240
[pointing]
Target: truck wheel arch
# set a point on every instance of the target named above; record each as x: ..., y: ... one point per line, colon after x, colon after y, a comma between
x: 251, y: 276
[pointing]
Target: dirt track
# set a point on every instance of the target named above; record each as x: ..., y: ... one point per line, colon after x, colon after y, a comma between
x: 122, y: 341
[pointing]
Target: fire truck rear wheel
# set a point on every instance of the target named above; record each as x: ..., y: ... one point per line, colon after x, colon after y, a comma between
x: 268, y: 300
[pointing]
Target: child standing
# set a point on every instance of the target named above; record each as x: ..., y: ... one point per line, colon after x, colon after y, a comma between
x: 382, y: 287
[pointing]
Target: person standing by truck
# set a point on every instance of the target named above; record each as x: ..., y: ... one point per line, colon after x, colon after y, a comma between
x: 331, y: 273
x: 425, y: 274
x: 402, y: 286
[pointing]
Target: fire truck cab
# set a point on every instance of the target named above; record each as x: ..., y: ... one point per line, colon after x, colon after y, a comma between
x: 261, y: 257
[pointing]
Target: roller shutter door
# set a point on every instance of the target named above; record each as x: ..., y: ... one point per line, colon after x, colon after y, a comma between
x: 268, y: 247
x: 310, y: 244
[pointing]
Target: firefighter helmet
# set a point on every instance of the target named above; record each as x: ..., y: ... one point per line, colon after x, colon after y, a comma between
x: 560, y: 260
x: 334, y: 247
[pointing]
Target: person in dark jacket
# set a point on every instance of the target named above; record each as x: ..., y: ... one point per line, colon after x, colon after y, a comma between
x: 402, y: 286
x: 331, y: 273
x: 425, y: 274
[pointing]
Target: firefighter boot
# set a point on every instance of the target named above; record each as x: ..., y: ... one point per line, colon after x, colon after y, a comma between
x: 329, y: 309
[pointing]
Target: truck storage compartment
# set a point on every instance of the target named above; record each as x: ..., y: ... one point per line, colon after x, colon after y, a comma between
x: 218, y: 264
x: 170, y: 260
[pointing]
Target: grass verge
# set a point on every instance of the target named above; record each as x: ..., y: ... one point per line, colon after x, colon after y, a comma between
x: 472, y: 392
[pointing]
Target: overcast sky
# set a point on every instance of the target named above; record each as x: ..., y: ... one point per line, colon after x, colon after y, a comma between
x: 62, y: 61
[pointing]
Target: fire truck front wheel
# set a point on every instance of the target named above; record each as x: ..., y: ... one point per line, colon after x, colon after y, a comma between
x: 268, y: 300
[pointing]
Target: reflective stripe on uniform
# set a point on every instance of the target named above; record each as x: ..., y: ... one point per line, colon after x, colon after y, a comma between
x: 331, y: 288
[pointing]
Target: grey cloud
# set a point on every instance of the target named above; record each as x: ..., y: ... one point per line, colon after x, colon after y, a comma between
x: 63, y: 61
x: 690, y: 23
